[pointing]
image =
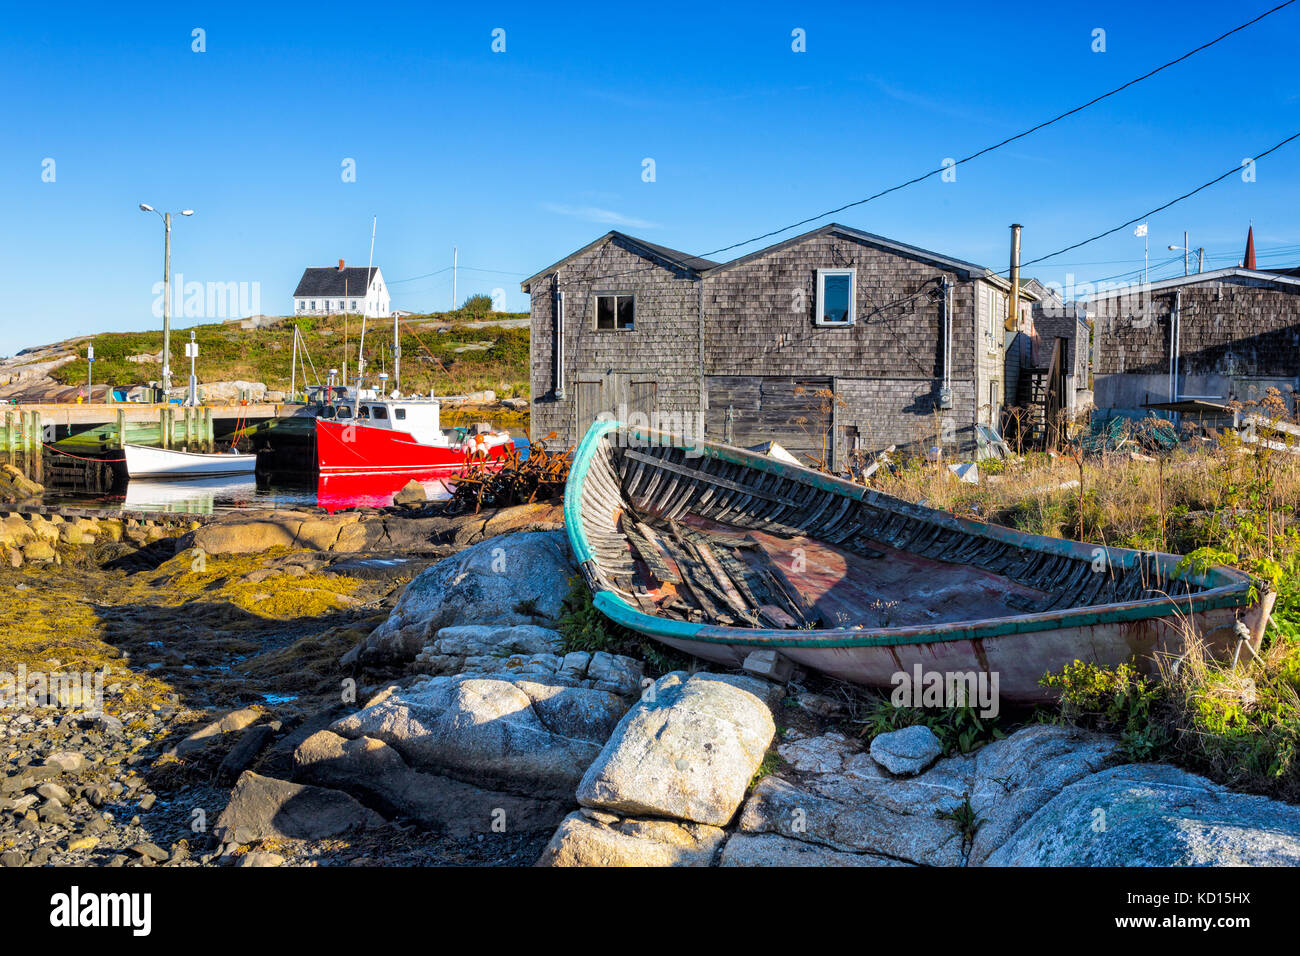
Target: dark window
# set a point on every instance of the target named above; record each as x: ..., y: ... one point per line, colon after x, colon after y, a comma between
x: 615, y: 312
x: 399, y: 414
x: 379, y: 412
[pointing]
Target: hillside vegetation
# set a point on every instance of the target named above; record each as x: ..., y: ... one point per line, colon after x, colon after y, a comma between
x: 450, y: 352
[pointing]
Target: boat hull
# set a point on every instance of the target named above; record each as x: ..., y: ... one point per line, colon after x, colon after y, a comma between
x: 358, y: 449
x: 955, y: 597
x: 143, y: 461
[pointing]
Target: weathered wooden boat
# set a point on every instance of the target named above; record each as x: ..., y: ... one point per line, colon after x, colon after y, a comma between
x: 145, y: 461
x: 731, y: 556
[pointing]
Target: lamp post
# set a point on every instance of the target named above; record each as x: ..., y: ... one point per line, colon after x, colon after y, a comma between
x: 167, y: 292
x: 90, y: 366
x: 1187, y: 250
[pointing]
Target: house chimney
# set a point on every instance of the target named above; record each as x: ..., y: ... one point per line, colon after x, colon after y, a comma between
x: 1013, y: 301
x: 340, y: 265
x: 1249, y: 262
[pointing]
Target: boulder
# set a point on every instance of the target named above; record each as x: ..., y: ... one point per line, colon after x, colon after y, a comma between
x: 378, y: 776
x: 526, y: 651
x: 1154, y: 815
x: 250, y: 533
x: 210, y: 733
x: 263, y: 808
x: 39, y: 551
x: 411, y: 493
x: 906, y: 752
x: 217, y: 392
x: 14, y: 531
x: 518, y: 735
x: 768, y: 849
x: 610, y: 841
x: 688, y: 749
x: 853, y: 823
x: 517, y: 578
x: 1014, y: 777
x: 824, y: 754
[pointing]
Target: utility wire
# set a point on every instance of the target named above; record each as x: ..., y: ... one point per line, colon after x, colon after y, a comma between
x: 1009, y: 139
x: 1145, y: 215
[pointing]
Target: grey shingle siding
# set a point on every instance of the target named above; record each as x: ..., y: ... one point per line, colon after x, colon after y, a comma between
x: 1238, y: 335
x: 759, y: 322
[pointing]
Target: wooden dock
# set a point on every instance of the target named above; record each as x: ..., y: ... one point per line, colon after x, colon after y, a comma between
x: 104, y: 426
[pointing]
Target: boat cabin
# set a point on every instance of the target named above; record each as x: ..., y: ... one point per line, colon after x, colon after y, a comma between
x: 417, y: 417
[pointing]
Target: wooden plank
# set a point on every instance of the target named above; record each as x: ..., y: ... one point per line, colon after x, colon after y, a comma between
x: 704, y: 476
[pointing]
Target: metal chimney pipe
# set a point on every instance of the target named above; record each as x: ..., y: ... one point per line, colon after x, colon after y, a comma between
x: 1013, y: 302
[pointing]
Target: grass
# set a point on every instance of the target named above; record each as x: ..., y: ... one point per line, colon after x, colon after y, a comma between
x: 585, y: 629
x: 1217, y: 502
x: 227, y: 353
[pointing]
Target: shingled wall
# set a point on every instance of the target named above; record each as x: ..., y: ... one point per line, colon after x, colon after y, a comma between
x: 663, y: 346
x: 1232, y: 330
x: 758, y: 320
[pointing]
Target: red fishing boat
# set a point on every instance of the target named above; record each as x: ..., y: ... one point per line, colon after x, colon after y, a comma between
x: 401, y: 437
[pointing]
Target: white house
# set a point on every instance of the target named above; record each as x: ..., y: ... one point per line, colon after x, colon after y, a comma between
x: 329, y: 291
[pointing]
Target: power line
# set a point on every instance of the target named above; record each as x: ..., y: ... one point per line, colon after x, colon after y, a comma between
x: 429, y: 275
x: 1009, y: 139
x: 1145, y: 215
x: 413, y: 278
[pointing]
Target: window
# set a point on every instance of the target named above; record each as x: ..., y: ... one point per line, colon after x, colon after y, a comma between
x: 399, y: 414
x: 313, y: 304
x: 615, y: 312
x: 836, y: 292
x: 378, y: 411
x: 354, y: 303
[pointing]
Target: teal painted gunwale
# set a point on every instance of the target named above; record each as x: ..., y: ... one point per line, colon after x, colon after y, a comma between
x: 1226, y: 588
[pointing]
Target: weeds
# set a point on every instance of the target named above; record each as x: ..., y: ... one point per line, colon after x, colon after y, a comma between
x: 584, y: 628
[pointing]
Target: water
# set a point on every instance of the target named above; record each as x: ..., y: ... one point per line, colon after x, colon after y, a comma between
x: 205, y: 496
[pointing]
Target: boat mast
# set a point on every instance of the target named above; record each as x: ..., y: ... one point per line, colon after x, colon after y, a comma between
x: 361, y: 347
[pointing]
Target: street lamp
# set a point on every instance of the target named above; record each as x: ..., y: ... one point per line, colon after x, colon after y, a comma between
x: 167, y: 291
x: 1186, y: 250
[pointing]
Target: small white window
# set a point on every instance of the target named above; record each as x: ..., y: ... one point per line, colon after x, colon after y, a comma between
x: 837, y: 291
x: 354, y: 303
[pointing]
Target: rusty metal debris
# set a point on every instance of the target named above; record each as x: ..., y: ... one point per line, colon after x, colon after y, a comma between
x: 538, y: 477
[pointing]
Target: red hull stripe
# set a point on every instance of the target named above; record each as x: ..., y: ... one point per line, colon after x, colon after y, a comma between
x: 370, y: 450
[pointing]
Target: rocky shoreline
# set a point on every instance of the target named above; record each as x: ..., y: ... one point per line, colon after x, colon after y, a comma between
x: 392, y: 687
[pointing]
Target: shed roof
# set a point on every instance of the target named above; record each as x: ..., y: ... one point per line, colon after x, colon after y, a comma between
x: 702, y: 267
x: 1196, y: 278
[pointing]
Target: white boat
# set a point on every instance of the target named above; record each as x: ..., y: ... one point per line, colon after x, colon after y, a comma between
x: 143, y: 461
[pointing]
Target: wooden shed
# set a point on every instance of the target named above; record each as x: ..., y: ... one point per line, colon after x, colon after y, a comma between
x: 834, y: 342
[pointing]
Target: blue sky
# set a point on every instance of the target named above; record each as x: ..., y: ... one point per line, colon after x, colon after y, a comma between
x: 520, y: 157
